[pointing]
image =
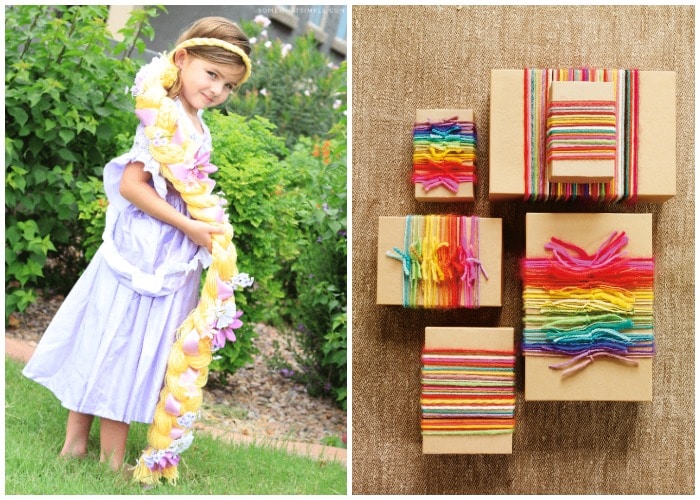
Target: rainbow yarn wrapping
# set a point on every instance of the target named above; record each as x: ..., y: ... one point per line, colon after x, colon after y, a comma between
x: 586, y: 306
x: 215, y: 318
x: 444, y: 153
x: 624, y: 185
x: 440, y: 261
x: 465, y: 392
x: 581, y: 130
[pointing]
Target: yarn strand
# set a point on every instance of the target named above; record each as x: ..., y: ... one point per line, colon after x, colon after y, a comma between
x: 467, y: 392
x: 444, y: 153
x: 440, y: 261
x: 588, y: 306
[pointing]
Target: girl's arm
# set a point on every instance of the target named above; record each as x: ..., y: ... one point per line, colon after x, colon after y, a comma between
x: 135, y: 188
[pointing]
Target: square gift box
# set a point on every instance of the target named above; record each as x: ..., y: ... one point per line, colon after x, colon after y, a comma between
x: 588, y: 324
x: 468, y: 382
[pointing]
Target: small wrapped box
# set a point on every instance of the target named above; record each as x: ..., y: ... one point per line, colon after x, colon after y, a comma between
x: 581, y: 132
x: 468, y: 391
x: 444, y: 155
x: 645, y: 161
x: 588, y: 305
x: 437, y: 261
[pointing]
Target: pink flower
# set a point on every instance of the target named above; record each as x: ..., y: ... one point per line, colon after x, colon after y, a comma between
x: 168, y: 459
x: 201, y: 161
x: 197, y: 172
x: 227, y: 333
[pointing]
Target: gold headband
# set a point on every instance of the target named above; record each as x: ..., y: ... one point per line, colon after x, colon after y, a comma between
x: 215, y: 42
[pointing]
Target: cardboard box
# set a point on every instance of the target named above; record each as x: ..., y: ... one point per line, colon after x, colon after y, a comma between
x: 602, y: 380
x: 657, y: 136
x: 469, y: 338
x: 390, y: 272
x: 581, y: 171
x: 465, y: 191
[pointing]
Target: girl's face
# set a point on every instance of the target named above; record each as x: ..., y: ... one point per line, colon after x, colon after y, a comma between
x: 205, y: 84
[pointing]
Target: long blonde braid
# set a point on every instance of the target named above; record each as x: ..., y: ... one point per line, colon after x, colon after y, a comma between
x: 215, y: 315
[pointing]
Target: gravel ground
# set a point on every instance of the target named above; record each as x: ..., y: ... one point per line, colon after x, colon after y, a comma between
x: 257, y: 401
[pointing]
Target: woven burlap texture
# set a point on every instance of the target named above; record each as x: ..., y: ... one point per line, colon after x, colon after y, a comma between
x: 410, y: 57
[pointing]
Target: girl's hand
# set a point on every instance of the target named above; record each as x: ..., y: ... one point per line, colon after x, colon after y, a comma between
x: 200, y: 232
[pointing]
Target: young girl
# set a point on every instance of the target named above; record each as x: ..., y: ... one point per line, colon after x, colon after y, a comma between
x: 105, y: 353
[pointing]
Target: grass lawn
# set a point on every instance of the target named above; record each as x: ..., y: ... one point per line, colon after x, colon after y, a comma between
x: 34, y: 432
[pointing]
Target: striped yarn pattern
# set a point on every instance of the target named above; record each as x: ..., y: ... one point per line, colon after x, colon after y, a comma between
x: 625, y: 182
x: 467, y: 392
x: 444, y: 153
x: 587, y: 307
x: 440, y: 261
x: 581, y: 130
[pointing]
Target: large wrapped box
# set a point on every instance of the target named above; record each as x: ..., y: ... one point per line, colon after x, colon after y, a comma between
x: 468, y: 391
x: 588, y: 307
x: 419, y: 267
x: 645, y: 164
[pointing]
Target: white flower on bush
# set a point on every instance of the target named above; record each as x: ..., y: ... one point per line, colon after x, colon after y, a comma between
x: 262, y: 20
x: 253, y: 40
x: 263, y: 33
x: 285, y: 49
x: 263, y: 92
x: 268, y: 44
x: 337, y: 103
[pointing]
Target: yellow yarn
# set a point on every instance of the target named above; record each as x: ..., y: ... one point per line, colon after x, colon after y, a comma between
x: 202, y: 206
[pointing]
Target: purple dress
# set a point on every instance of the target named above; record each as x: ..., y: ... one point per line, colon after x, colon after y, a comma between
x: 106, y: 350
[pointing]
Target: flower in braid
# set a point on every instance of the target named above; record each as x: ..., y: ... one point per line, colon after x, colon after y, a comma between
x: 215, y: 318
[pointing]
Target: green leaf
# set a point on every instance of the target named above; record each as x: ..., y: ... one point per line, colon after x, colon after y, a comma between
x: 67, y: 155
x: 19, y: 114
x: 33, y: 99
x: 67, y: 135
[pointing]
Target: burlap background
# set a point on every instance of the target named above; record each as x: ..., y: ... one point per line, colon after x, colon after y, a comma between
x: 405, y: 58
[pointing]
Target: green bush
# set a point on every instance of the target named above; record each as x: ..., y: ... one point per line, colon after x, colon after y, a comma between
x: 248, y: 155
x: 319, y: 274
x: 294, y: 85
x: 64, y: 103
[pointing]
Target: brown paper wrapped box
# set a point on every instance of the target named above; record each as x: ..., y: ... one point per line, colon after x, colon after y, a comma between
x: 657, y: 136
x: 390, y: 271
x: 465, y: 191
x: 581, y: 171
x: 602, y: 380
x: 469, y: 338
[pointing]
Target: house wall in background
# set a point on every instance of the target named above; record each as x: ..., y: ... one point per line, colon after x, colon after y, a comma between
x: 327, y: 22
